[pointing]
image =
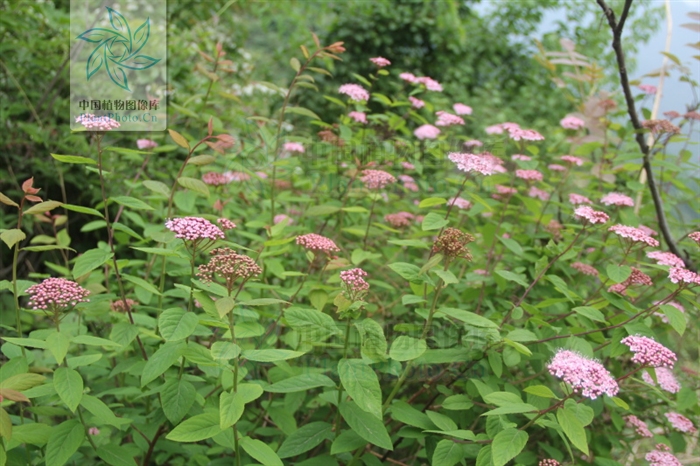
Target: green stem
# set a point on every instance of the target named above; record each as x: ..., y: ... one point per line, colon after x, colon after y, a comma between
x: 340, y: 384
x: 369, y: 220
x: 194, y: 255
x: 87, y: 431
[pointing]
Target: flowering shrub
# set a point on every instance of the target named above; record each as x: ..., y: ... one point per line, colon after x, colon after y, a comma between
x: 309, y: 302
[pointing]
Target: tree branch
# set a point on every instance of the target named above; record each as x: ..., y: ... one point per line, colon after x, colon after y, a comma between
x: 616, y: 28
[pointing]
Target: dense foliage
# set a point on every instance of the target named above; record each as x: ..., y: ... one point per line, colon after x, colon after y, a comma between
x: 410, y: 280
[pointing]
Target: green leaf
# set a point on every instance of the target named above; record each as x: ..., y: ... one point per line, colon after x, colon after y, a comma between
x: 511, y: 244
x: 446, y: 276
x: 467, y: 317
x: 42, y: 207
x: 131, y: 202
x: 177, y: 397
x: 65, y: 439
x: 621, y: 403
x: 86, y: 360
x: 193, y: 184
x: 12, y: 237
x: 618, y: 273
x: 225, y: 350
x: 433, y: 221
x: 447, y: 453
x: 270, y: 355
x: 101, y: 411
x: 541, y: 391
x: 407, y: 348
x: 305, y: 438
x: 231, y: 407
x: 177, y: 324
x: 502, y: 398
x: 300, y: 383
x: 196, y: 428
x: 442, y: 421
x: 34, y: 434
x: 374, y: 343
x: 521, y: 334
x: 179, y: 139
x: 22, y: 382
x: 431, y: 201
x: 675, y: 317
x: 686, y: 398
x: 83, y: 210
x: 512, y: 408
x: 5, y: 426
x: 69, y: 386
x: 590, y: 313
x: 157, y: 187
x: 89, y: 340
x: 160, y: 361
x: 407, y: 271
x: 573, y: 428
x: 141, y: 283
x: 57, y: 343
x: 312, y: 325
x: 347, y: 441
x: 366, y: 425
x: 362, y: 384
x: 507, y: 444
x: 201, y: 160
x: 321, y: 210
x: 518, y: 278
x: 89, y: 261
x: 28, y: 342
x: 260, y: 451
x: 303, y: 111
x: 116, y: 455
x: 403, y: 412
x: 457, y: 403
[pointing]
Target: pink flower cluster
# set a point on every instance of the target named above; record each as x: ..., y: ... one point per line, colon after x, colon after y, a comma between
x: 279, y: 218
x: 473, y: 143
x: 666, y: 379
x: 529, y: 175
x: 577, y: 199
x: 429, y: 83
x: 648, y: 89
x: 416, y: 103
x: 448, y: 119
x: 549, y: 462
x: 194, y: 229
x: 617, y: 199
x: 146, y: 144
x: 680, y: 422
x: 56, y: 294
x: 585, y: 269
x: 461, y: 109
x: 637, y: 424
x: 485, y: 163
x: 225, y: 224
x: 358, y: 117
x: 355, y: 92
x: 505, y: 190
x: 666, y: 258
x: 460, y: 203
x: 572, y: 160
x: 537, y: 193
x: 119, y: 306
x: 683, y: 275
x: 661, y: 457
x: 695, y: 236
x: 635, y: 234
x: 637, y: 277
x: 293, y: 147
x: 229, y: 265
x: 399, y: 219
x: 585, y: 376
x: 216, y: 178
x: 524, y: 158
x: 314, y: 242
x: 376, y: 179
x: 97, y: 123
x: 649, y: 352
x: 354, y: 283
x: 593, y: 216
x: 426, y: 132
x: 381, y: 62
x: 237, y: 176
x: 556, y: 167
x: 572, y: 122
x: 408, y: 166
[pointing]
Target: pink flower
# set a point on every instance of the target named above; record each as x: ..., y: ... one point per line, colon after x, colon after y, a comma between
x: 585, y: 376
x: 279, y: 218
x: 55, y: 294
x: 426, y: 132
x: 585, y: 269
x: 671, y: 114
x: 572, y: 122
x: 146, y: 144
x: 381, y: 62
x: 411, y: 187
x: 294, y: 147
x: 461, y: 109
x: 648, y: 89
x: 666, y: 258
x: 406, y: 179
x: 358, y: 117
x: 683, y: 275
x: 526, y: 134
x: 448, y: 119
x: 473, y: 143
x: 237, y: 176
x: 572, y: 160
x: 227, y: 264
x: 416, y: 103
x: 354, y: 283
x: 577, y: 199
x: 215, y: 179
x: 376, y: 179
x: 97, y: 123
x: 634, y: 234
x: 194, y: 229
x: 617, y: 199
x: 121, y: 306
x: 666, y: 379
x: 637, y: 277
x: 649, y: 352
x: 695, y: 236
x: 226, y: 224
x: 314, y: 242
x: 409, y: 78
x: 524, y: 158
x: 355, y: 92
x: 505, y: 190
x: 481, y: 163
x: 399, y: 219
x: 529, y: 175
x: 648, y: 230
x: 680, y: 422
x: 556, y: 167
x: 549, y: 462
x: 93, y: 431
x: 460, y: 203
x: 661, y: 457
x: 481, y: 272
x: 495, y: 129
x: 537, y: 193
x: 593, y: 216
x: 430, y: 84
x: 262, y: 175
x: 408, y: 166
x: 638, y: 425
